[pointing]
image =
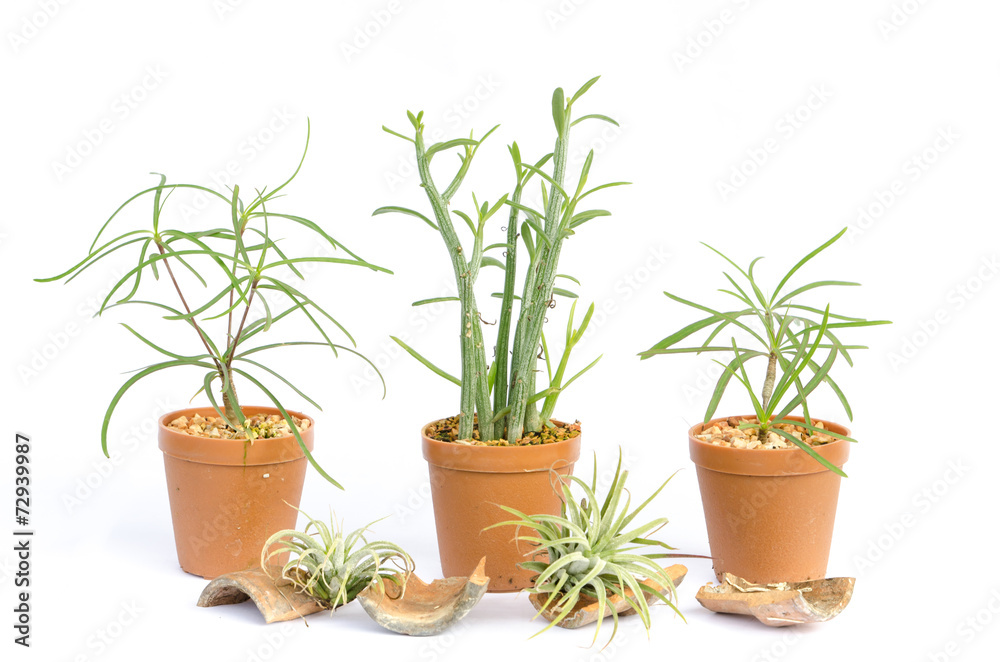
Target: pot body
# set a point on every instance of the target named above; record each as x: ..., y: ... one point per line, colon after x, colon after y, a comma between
x: 769, y: 513
x: 226, y: 496
x: 468, y: 483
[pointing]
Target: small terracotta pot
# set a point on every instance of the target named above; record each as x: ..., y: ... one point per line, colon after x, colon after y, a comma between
x: 769, y: 513
x: 468, y: 483
x: 226, y: 496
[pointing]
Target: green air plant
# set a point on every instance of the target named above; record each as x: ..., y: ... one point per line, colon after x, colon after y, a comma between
x: 513, y: 408
x: 256, y: 294
x: 789, y: 334
x: 592, y: 551
x: 332, y: 567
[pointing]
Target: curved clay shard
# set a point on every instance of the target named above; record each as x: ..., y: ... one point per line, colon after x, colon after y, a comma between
x: 276, y: 600
x: 777, y: 605
x: 425, y: 609
x: 585, y: 611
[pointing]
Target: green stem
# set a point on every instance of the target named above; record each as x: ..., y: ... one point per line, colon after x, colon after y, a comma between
x: 537, y: 297
x: 506, y: 311
x: 470, y: 323
x: 765, y: 396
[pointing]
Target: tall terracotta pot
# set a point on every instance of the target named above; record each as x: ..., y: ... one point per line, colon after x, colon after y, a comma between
x: 769, y: 513
x: 226, y: 496
x: 467, y: 483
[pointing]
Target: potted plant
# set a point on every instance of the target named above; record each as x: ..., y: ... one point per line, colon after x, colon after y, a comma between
x: 770, y: 481
x: 503, y: 443
x: 230, y: 468
x: 589, y: 562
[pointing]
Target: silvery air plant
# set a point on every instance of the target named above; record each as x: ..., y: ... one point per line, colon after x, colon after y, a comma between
x: 333, y: 567
x: 593, y: 550
x: 503, y: 395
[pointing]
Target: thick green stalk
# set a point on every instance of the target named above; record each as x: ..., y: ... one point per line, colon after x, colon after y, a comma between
x: 470, y: 322
x: 537, y: 297
x: 506, y: 311
x: 532, y: 419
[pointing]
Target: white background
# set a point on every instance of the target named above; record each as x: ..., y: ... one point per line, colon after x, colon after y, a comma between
x: 885, y: 79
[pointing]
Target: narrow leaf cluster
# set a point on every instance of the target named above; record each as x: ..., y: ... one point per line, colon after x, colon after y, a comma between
x: 790, y: 334
x: 257, y: 292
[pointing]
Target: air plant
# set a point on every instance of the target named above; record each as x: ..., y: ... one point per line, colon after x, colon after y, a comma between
x: 256, y: 294
x: 592, y: 550
x: 790, y: 334
x: 332, y: 567
x: 503, y: 395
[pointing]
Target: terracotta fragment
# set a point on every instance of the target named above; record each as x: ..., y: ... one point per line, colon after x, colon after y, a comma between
x: 778, y: 605
x: 277, y: 600
x: 586, y: 612
x: 425, y: 609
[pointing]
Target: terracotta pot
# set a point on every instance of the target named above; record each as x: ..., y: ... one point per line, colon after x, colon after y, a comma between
x: 228, y: 497
x: 769, y: 512
x: 467, y: 483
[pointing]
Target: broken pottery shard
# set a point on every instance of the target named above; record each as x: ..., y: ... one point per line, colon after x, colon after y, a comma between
x: 586, y: 611
x: 777, y: 605
x: 277, y: 600
x: 425, y: 609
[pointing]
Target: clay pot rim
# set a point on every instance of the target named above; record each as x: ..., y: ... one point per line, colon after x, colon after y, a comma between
x: 776, y: 462
x: 232, y: 452
x: 500, y: 459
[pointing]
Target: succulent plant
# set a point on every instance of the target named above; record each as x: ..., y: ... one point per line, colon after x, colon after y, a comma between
x: 502, y: 395
x: 333, y: 567
x: 594, y: 552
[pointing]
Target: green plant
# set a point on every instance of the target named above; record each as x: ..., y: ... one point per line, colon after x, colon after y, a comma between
x: 333, y: 567
x: 592, y: 553
x: 790, y: 336
x: 510, y: 381
x: 246, y: 258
